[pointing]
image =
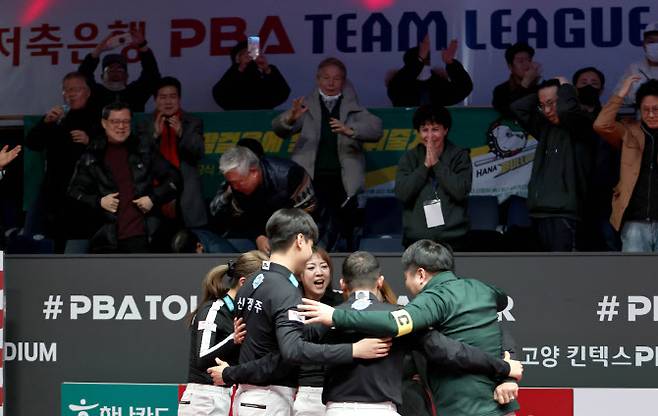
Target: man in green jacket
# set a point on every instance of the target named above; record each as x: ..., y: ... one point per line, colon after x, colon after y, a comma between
x: 463, y: 309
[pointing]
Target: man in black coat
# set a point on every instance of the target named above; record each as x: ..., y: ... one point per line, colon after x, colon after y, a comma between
x: 558, y: 187
x: 124, y: 180
x: 63, y: 133
x: 524, y: 77
x: 250, y: 84
x: 178, y: 136
x: 416, y: 83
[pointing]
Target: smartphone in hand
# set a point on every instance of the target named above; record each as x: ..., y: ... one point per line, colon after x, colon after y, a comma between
x: 122, y: 39
x: 253, y: 46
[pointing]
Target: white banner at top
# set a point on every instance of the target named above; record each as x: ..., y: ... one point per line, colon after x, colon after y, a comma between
x: 41, y: 40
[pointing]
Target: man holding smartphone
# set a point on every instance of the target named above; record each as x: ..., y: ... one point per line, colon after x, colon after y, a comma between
x: 114, y: 76
x: 250, y: 83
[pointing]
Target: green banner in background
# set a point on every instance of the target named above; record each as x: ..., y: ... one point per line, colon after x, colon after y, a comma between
x: 109, y: 399
x: 224, y: 129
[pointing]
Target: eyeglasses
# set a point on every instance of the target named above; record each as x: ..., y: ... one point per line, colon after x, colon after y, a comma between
x: 544, y: 107
x: 650, y: 110
x: 116, y: 122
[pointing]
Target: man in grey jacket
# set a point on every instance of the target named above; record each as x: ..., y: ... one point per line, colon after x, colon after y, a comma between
x: 333, y: 129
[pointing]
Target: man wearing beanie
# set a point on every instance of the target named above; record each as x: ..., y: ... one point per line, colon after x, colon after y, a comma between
x: 114, y: 86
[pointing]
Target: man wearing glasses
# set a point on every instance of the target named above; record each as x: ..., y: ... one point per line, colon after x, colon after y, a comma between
x: 635, y: 198
x: 562, y: 164
x: 123, y: 180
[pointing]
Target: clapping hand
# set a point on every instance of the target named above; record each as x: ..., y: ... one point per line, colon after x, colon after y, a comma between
x: 448, y: 54
x: 339, y: 127
x: 297, y: 110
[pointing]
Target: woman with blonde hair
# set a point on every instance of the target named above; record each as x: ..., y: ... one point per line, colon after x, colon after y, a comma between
x: 211, y: 328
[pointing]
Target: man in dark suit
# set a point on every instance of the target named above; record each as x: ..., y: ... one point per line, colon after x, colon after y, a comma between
x: 178, y: 136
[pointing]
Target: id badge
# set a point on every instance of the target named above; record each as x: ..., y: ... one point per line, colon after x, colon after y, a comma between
x: 433, y: 213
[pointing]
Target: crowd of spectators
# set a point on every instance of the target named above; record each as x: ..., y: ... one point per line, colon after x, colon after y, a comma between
x: 112, y: 185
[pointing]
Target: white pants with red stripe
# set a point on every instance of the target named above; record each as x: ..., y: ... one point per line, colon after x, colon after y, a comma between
x: 205, y: 400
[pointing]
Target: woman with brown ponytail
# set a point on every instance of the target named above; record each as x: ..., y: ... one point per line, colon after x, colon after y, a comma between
x: 211, y: 328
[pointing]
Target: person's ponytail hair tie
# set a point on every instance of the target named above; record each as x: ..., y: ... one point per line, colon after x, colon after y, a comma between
x: 230, y: 275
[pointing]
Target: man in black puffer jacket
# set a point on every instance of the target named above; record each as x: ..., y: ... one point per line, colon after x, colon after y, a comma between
x: 255, y: 188
x: 125, y: 181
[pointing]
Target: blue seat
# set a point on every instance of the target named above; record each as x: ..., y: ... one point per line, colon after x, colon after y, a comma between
x: 517, y: 212
x: 381, y: 245
x: 483, y: 212
x: 383, y: 217
x: 242, y: 245
x: 20, y: 244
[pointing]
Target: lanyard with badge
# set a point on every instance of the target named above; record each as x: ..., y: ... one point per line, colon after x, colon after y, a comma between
x: 432, y: 208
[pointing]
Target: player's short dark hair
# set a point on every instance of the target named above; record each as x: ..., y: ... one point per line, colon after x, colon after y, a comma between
x: 648, y: 88
x: 430, y: 255
x: 285, y: 224
x: 115, y: 106
x: 581, y: 71
x: 167, y: 82
x: 361, y: 269
x: 518, y: 47
x: 432, y: 114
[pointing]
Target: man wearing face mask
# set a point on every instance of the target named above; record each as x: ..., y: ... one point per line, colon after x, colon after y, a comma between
x: 114, y: 75
x: 333, y: 127
x: 647, y: 68
x: 417, y: 84
x: 63, y: 133
x: 597, y: 233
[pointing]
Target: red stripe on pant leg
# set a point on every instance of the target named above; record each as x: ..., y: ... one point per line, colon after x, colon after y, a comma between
x: 181, y: 390
x: 545, y: 402
x: 233, y: 392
